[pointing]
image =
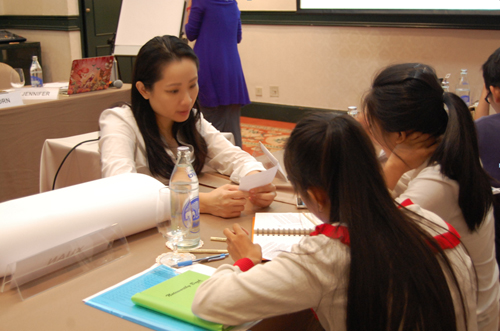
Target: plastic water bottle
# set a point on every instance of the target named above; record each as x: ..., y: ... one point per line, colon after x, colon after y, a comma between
x: 445, y: 83
x: 463, y: 88
x: 36, y: 73
x: 184, y: 177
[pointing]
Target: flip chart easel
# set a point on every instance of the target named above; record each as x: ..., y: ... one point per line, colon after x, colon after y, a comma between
x: 142, y: 20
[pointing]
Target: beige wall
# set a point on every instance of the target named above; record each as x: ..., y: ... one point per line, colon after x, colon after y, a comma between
x: 39, y: 7
x: 59, y: 48
x: 331, y: 67
x: 319, y: 67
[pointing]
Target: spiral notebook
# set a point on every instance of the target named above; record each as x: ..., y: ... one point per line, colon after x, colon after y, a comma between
x: 278, y: 232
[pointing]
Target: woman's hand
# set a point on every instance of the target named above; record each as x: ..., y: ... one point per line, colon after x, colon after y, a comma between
x: 240, y: 246
x: 226, y: 201
x: 407, y: 155
x: 262, y: 196
x: 414, y: 150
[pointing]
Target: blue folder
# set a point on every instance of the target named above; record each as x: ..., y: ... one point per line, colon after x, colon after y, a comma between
x: 117, y: 301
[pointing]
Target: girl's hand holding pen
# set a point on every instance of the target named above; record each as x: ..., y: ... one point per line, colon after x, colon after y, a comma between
x: 240, y: 246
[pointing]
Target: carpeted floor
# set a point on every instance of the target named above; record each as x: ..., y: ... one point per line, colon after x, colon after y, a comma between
x: 273, y: 134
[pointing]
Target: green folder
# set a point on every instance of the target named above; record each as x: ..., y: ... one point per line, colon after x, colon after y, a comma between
x: 174, y: 297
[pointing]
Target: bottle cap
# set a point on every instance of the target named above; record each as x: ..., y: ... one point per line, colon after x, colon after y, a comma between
x: 35, y: 58
x: 352, y: 110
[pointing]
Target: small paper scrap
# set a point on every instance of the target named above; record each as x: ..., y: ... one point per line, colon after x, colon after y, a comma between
x: 257, y: 180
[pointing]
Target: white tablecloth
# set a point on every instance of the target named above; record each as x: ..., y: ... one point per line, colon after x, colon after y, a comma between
x: 82, y: 165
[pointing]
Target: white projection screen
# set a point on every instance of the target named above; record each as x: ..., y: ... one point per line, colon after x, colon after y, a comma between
x: 425, y: 5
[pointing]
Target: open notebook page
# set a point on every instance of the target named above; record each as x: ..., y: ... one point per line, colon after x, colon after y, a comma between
x: 272, y: 224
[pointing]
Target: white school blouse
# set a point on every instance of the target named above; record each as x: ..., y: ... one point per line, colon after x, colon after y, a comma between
x: 430, y: 189
x: 123, y: 149
x: 314, y: 275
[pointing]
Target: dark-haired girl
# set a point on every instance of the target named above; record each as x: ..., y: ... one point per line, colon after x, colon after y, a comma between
x: 372, y: 265
x: 144, y: 136
x: 406, y: 99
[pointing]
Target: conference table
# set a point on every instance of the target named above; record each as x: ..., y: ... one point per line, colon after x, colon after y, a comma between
x: 62, y: 308
x: 24, y: 129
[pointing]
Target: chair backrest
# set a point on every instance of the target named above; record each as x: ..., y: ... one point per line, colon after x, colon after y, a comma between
x: 5, y: 72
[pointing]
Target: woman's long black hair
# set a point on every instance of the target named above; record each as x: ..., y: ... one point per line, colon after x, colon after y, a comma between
x: 408, y: 97
x: 396, y: 281
x: 152, y: 58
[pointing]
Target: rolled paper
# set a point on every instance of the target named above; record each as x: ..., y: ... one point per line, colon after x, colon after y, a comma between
x: 36, y: 223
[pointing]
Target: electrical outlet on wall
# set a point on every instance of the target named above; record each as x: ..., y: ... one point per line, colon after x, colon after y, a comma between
x: 274, y: 91
x: 258, y: 91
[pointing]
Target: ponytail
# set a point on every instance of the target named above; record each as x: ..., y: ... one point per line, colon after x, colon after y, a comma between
x: 408, y: 97
x: 458, y: 156
x: 389, y: 288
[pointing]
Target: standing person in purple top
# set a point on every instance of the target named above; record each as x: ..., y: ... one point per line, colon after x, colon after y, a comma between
x: 216, y: 27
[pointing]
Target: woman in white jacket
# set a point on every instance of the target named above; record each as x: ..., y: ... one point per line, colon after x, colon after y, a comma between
x: 373, y: 265
x: 144, y: 136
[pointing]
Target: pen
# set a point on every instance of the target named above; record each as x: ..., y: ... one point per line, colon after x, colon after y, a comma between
x: 202, y: 260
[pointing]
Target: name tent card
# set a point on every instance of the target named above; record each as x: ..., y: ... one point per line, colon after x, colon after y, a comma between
x: 64, y: 262
x: 36, y: 93
x: 10, y: 99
